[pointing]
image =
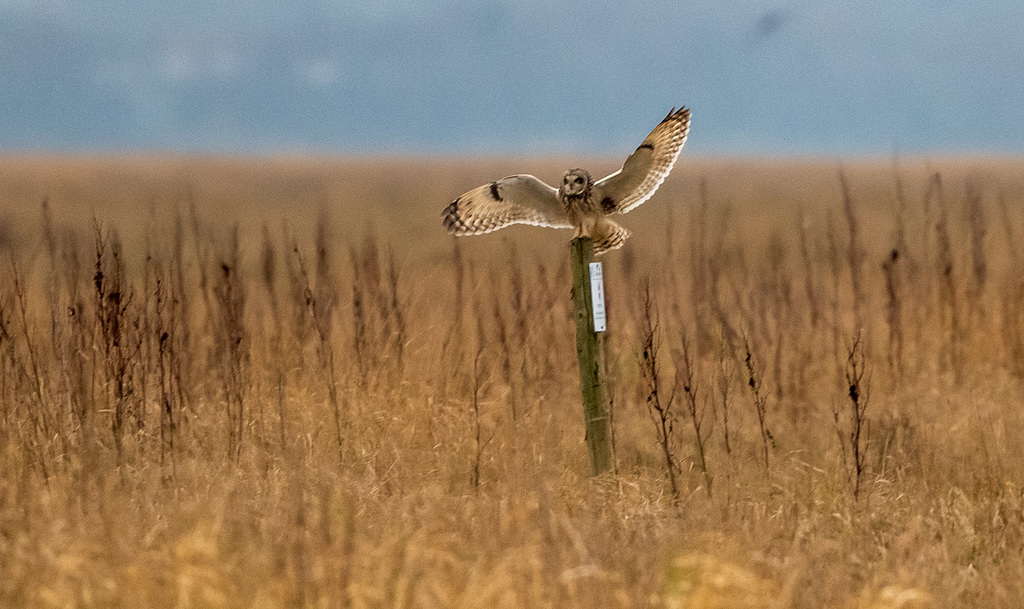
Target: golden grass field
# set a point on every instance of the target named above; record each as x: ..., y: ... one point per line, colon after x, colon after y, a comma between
x: 279, y: 383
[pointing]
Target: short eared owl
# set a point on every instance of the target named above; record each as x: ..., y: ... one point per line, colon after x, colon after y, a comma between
x: 580, y: 202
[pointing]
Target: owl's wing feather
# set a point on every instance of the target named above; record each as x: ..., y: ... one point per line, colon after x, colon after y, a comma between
x: 648, y: 166
x: 519, y: 199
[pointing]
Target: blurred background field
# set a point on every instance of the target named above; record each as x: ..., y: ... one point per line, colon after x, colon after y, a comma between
x: 261, y: 382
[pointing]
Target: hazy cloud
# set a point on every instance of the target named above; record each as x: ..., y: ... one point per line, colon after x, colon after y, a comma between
x: 770, y: 23
x: 502, y: 75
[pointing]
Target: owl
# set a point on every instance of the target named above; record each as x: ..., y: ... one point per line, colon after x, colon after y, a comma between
x: 579, y: 202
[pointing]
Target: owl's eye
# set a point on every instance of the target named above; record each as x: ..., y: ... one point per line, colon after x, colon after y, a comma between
x: 578, y: 180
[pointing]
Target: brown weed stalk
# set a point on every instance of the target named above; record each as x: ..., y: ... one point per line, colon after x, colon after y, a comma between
x: 659, y: 406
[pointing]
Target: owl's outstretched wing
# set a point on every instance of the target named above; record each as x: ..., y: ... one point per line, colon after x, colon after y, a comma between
x: 648, y: 166
x: 513, y: 200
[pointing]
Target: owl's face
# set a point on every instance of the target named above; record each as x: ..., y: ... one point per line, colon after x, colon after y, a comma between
x: 575, y: 182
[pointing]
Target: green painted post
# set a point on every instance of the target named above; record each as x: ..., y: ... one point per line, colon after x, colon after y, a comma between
x: 588, y: 351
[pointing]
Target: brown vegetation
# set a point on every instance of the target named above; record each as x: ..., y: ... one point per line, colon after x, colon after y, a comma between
x: 244, y: 383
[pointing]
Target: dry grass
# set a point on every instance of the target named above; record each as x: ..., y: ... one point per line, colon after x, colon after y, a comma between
x: 262, y: 384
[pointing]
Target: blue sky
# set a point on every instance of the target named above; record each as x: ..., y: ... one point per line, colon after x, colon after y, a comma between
x: 511, y: 76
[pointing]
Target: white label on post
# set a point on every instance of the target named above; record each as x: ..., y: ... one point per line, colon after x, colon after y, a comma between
x: 597, y: 296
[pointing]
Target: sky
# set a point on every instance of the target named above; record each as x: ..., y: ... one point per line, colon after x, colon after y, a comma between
x: 861, y: 77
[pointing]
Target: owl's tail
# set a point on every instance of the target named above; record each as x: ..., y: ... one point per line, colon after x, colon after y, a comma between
x: 608, y: 235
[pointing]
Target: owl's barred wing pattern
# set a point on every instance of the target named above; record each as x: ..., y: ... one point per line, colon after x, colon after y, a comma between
x: 648, y: 166
x: 519, y: 199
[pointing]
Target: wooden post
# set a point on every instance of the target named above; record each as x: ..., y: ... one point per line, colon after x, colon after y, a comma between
x: 588, y: 351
